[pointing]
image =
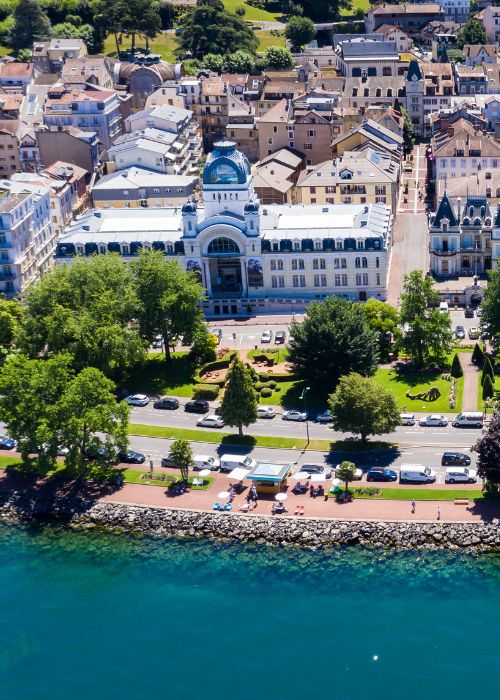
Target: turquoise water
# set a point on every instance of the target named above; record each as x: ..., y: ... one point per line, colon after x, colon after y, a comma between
x: 86, y: 615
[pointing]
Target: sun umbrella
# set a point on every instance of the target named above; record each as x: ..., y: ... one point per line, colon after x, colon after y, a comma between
x: 223, y: 494
x: 318, y: 477
x: 300, y: 475
x: 281, y: 496
x: 238, y: 474
x: 205, y: 472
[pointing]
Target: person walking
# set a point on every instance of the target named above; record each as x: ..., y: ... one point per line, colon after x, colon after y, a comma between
x: 439, y: 513
x: 413, y: 506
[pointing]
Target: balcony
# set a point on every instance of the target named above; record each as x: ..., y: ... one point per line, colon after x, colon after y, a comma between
x: 443, y: 253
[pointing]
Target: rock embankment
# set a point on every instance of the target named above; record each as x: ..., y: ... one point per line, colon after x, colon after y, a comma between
x: 275, y: 531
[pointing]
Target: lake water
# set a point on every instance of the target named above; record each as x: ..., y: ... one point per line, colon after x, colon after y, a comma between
x: 89, y: 615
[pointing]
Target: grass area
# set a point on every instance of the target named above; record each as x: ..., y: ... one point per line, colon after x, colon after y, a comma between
x: 404, y: 494
x: 252, y: 13
x: 156, y: 377
x: 280, y: 354
x: 418, y: 382
x: 266, y: 39
x: 356, y: 5
x: 5, y: 51
x: 135, y: 476
x: 165, y: 44
x: 480, y: 402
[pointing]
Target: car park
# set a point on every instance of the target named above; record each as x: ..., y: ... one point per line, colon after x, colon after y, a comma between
x: 132, y: 457
x: 210, y: 421
x: 230, y: 462
x: 197, y: 406
x: 137, y: 400
x: 460, y: 475
x: 294, y: 415
x: 407, y: 418
x: 280, y: 337
x: 455, y: 459
x: 416, y: 473
x: 266, y: 412
x: 7, y: 443
x: 474, y: 333
x: 460, y: 333
x: 326, y: 471
x: 468, y: 419
x: 381, y: 474
x: 205, y: 462
x: 358, y: 473
x: 266, y: 336
x: 166, y: 403
x: 435, y: 420
x: 325, y: 417
x: 469, y: 312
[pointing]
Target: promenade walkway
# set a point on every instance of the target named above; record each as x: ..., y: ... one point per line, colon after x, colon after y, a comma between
x: 469, y: 400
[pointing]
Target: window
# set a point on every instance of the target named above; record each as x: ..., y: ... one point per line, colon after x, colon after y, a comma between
x: 312, y: 190
x: 296, y: 245
x: 276, y: 264
x: 302, y: 280
x: 364, y: 262
x: 377, y: 262
x: 295, y: 280
x: 338, y: 245
x: 365, y: 279
x: 311, y: 133
x: 308, y: 147
x: 316, y: 280
x: 277, y: 281
x: 298, y: 264
x: 223, y: 246
x: 360, y: 245
x: 358, y: 280
x: 378, y: 279
x: 357, y: 262
x: 323, y: 280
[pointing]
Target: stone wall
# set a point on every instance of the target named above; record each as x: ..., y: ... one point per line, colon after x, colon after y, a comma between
x: 277, y: 531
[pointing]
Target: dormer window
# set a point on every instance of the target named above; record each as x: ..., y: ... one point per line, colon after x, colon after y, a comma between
x: 102, y: 248
x: 444, y: 225
x: 487, y: 221
x: 80, y: 250
x: 360, y: 245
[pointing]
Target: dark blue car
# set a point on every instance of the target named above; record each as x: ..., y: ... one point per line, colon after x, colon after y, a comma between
x: 7, y: 443
x: 381, y: 474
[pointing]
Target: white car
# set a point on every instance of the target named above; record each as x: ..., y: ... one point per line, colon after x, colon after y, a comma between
x: 473, y: 333
x: 460, y: 475
x: 325, y: 417
x: 294, y: 415
x: 266, y: 336
x: 434, y: 420
x: 443, y: 307
x: 265, y: 412
x: 137, y: 400
x: 358, y: 473
x: 205, y: 462
x: 407, y: 418
x: 211, y: 421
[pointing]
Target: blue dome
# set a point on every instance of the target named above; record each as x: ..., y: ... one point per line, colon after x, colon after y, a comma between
x: 251, y: 207
x: 226, y: 166
x: 189, y: 208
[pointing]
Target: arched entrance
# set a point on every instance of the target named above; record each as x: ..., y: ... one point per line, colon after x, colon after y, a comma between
x: 225, y: 267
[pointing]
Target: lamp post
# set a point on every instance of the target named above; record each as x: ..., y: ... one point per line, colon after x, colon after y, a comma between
x: 304, y: 396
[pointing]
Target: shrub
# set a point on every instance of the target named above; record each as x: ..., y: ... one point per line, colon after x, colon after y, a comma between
x: 271, y: 384
x: 487, y: 387
x: 240, y: 11
x: 209, y: 392
x: 266, y: 392
x: 456, y: 368
x: 258, y: 386
x: 264, y: 377
x: 277, y: 388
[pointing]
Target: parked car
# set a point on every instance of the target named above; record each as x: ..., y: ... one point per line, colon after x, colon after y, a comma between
x: 280, y: 337
x: 166, y: 403
x: 460, y: 475
x: 325, y: 417
x: 358, y: 473
x: 210, y: 421
x: 468, y: 419
x: 435, y: 420
x: 381, y: 474
x: 294, y: 415
x: 460, y: 332
x: 229, y: 462
x: 407, y: 418
x: 443, y: 306
x: 469, y: 312
x: 132, y: 457
x: 416, y: 473
x: 7, y: 443
x: 157, y: 343
x: 169, y: 463
x: 455, y: 459
x: 266, y: 412
x: 474, y: 333
x: 317, y: 469
x: 197, y: 406
x: 137, y: 400
x: 479, y: 311
x: 205, y: 462
x: 266, y: 336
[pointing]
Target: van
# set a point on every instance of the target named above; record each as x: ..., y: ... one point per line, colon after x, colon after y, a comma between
x: 468, y: 419
x: 407, y: 418
x: 460, y: 475
x: 230, y: 462
x: 443, y: 306
x: 417, y: 473
x: 205, y: 462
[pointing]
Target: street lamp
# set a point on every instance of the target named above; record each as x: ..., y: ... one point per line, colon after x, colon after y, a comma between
x: 304, y: 396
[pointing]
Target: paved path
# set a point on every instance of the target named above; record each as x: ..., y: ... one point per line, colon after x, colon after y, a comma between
x: 409, y: 251
x: 471, y: 376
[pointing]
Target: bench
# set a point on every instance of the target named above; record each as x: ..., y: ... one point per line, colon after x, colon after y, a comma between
x: 461, y: 501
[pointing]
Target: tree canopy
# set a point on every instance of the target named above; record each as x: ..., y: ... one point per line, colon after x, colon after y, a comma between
x: 30, y: 24
x: 278, y: 57
x: 11, y: 316
x: 383, y: 320
x: 334, y: 339
x: 363, y: 407
x: 426, y: 331
x: 488, y: 452
x: 239, y: 404
x: 473, y: 32
x: 490, y: 306
x: 182, y: 456
x: 300, y: 31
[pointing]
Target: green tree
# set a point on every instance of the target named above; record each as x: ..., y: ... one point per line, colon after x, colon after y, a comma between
x: 488, y: 390
x: 426, y: 331
x: 473, y: 32
x: 30, y: 391
x: 169, y: 300
x: 488, y: 452
x: 92, y: 421
x: 490, y: 306
x: 140, y: 17
x: 181, y: 454
x: 213, y: 61
x: 334, y: 339
x: 477, y: 356
x: 323, y: 10
x: 11, y: 316
x: 239, y: 62
x: 300, y: 31
x: 278, y: 57
x: 346, y: 472
x: 487, y: 371
x: 30, y: 24
x: 408, y: 136
x: 456, y: 368
x: 67, y: 30
x: 204, y: 348
x: 239, y: 404
x: 363, y: 407
x: 209, y: 28
x: 25, y: 55
x: 383, y: 320
x: 86, y: 309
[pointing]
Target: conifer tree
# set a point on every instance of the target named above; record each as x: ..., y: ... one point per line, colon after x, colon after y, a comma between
x: 456, y: 368
x: 477, y: 356
x: 488, y: 369
x: 239, y: 405
x: 30, y: 24
x: 487, y: 387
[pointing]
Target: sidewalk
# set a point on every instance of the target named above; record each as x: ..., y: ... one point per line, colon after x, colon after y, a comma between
x: 471, y: 376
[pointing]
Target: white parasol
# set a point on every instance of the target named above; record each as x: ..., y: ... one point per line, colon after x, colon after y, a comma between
x: 205, y: 472
x: 223, y: 494
x: 299, y: 476
x: 238, y: 474
x: 281, y: 496
x: 318, y: 477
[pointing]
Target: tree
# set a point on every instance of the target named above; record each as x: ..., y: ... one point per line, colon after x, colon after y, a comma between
x: 363, y: 407
x: 488, y: 390
x: 92, y: 421
x: 300, y: 31
x: 426, y: 331
x: 169, y: 300
x: 25, y: 55
x: 239, y: 62
x: 239, y: 404
x: 140, y: 17
x: 30, y: 391
x: 408, y: 136
x: 334, y: 339
x: 86, y: 309
x: 383, y: 320
x: 490, y: 306
x: 472, y: 32
x: 456, y: 368
x: 204, y: 348
x: 346, y: 472
x: 323, y: 10
x: 488, y: 370
x: 30, y: 24
x: 278, y: 57
x: 213, y: 61
x: 209, y: 28
x: 455, y: 55
x: 477, y: 356
x: 67, y: 30
x: 488, y: 452
x: 181, y: 454
x: 11, y: 316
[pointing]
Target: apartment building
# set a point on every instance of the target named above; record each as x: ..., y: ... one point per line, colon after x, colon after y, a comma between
x: 394, y: 33
x: 49, y: 56
x: 370, y: 133
x: 275, y: 177
x: 358, y: 55
x: 362, y: 93
x: 211, y: 109
x: 9, y: 147
x: 490, y: 17
x: 463, y: 150
x: 88, y: 70
x: 429, y: 88
x: 15, y: 76
x: 477, y: 54
x: 470, y: 80
x: 241, y: 128
x: 80, y: 148
x: 137, y: 187
x: 410, y: 17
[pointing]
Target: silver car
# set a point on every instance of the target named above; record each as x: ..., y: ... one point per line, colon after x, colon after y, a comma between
x: 294, y: 415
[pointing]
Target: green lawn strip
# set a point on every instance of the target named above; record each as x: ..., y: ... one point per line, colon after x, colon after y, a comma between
x: 416, y: 382
x: 155, y: 377
x: 480, y: 402
x: 136, y: 476
x: 279, y: 354
x: 409, y: 494
x: 164, y: 44
x: 252, y: 13
x: 266, y: 39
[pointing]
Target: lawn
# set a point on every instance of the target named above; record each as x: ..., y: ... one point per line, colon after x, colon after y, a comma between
x: 417, y: 382
x: 356, y: 5
x: 155, y: 377
x: 165, y: 44
x: 480, y: 402
x: 404, y: 494
x: 252, y: 13
x: 266, y: 39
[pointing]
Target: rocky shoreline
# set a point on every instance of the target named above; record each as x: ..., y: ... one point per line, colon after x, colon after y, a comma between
x: 265, y: 530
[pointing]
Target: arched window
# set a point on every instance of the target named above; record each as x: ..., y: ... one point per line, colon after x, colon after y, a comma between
x: 223, y: 246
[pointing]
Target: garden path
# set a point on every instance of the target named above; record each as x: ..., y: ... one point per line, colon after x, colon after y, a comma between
x: 469, y: 399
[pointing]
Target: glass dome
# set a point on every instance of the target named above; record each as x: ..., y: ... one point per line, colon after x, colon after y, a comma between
x: 226, y: 166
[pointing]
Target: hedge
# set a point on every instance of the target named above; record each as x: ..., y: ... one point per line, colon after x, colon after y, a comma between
x: 213, y: 367
x: 206, y: 391
x: 278, y: 377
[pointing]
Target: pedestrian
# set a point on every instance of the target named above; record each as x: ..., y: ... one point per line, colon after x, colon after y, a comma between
x: 439, y: 513
x: 413, y: 506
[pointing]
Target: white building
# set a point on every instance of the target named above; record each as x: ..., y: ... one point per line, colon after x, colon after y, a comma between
x: 274, y: 258
x: 456, y: 10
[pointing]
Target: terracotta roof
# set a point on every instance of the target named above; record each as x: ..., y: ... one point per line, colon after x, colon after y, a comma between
x: 16, y: 70
x: 473, y: 50
x: 463, y: 137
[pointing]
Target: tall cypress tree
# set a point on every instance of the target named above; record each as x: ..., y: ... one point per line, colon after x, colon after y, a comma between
x: 456, y: 368
x: 31, y: 24
x: 477, y: 356
x: 239, y: 405
x: 487, y: 387
x: 488, y: 369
